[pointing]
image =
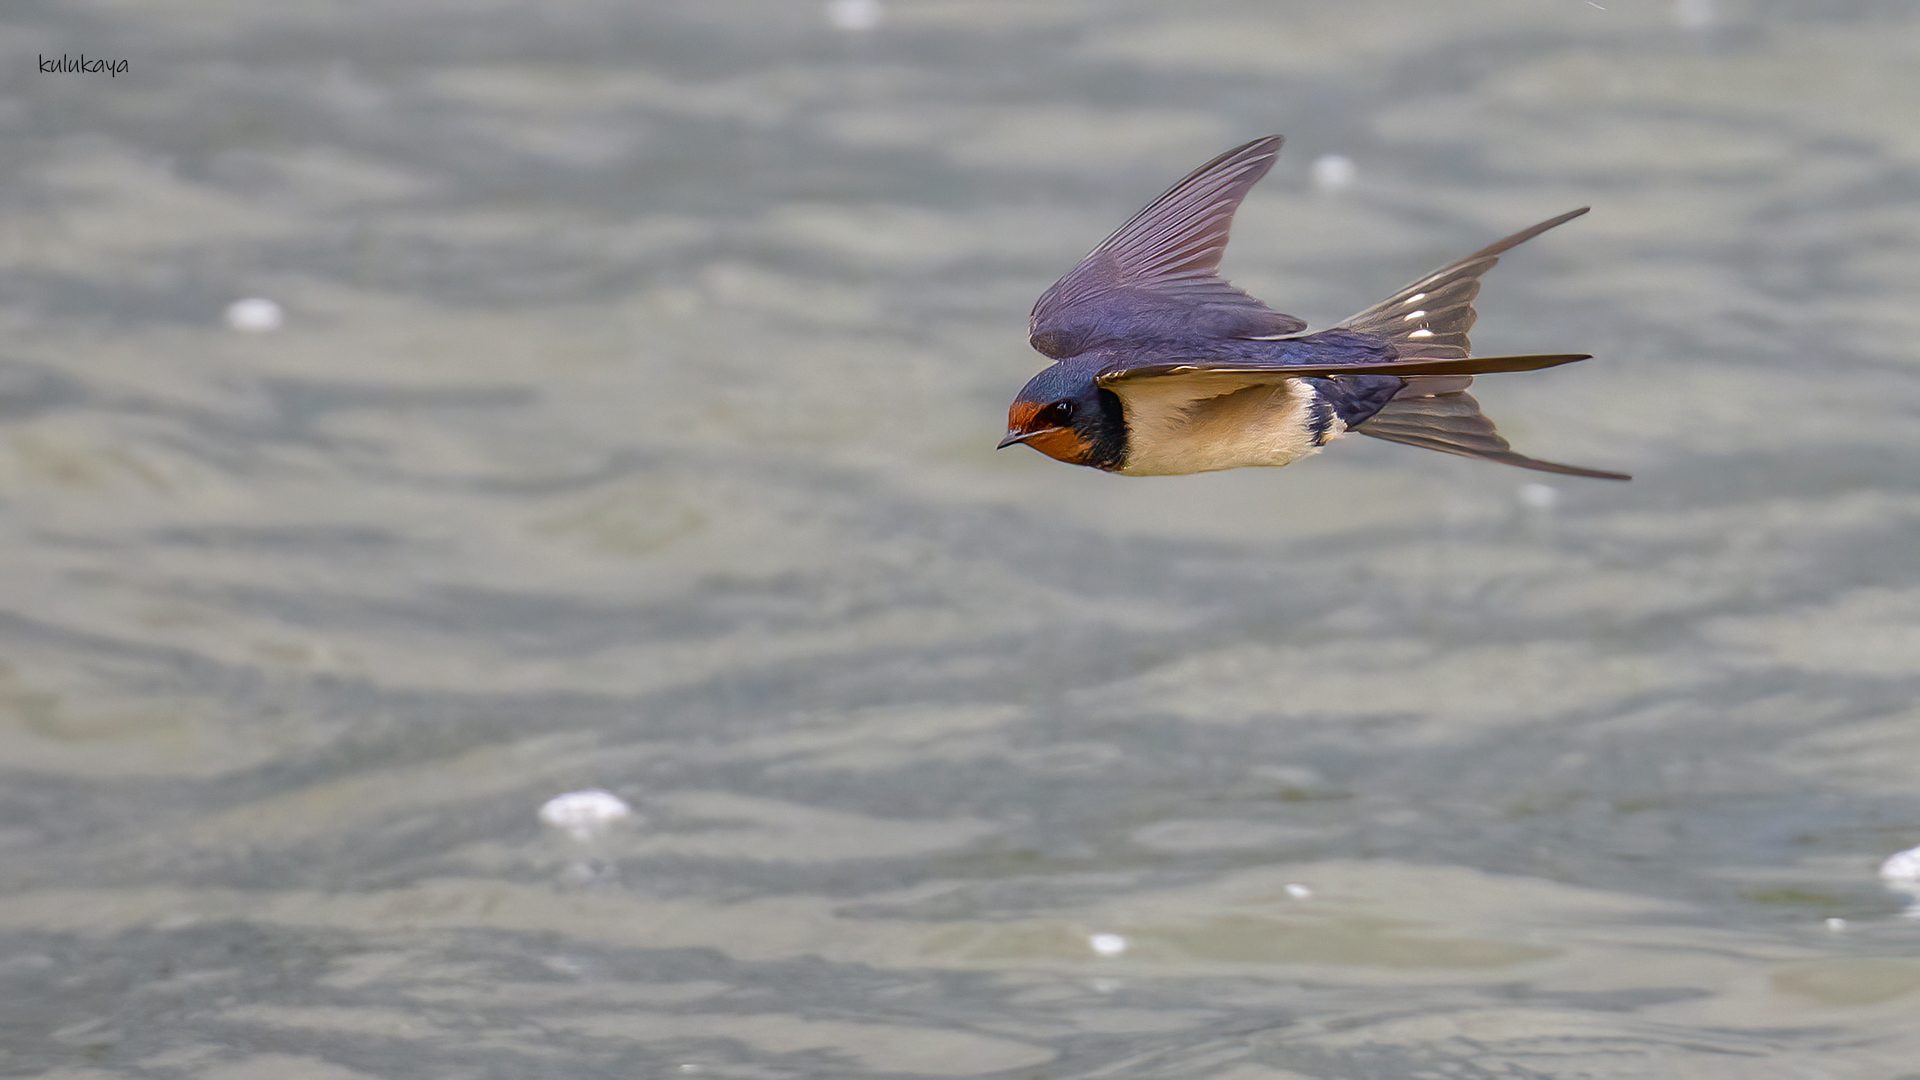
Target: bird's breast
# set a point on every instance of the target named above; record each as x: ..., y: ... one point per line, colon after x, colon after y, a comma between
x: 1180, y: 424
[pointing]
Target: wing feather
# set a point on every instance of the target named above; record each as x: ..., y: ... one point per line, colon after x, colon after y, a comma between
x: 1156, y: 273
x: 1123, y: 371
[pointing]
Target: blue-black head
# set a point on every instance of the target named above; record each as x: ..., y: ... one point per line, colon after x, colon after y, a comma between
x: 1065, y: 414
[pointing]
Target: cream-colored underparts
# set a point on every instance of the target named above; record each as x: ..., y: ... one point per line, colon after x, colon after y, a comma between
x: 1205, y: 421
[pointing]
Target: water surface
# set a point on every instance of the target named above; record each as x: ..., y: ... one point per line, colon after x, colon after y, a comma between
x: 631, y: 427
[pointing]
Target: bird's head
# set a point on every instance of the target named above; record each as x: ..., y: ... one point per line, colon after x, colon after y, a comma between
x: 1067, y: 416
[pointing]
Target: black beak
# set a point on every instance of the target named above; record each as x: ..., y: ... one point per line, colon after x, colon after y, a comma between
x: 1019, y: 436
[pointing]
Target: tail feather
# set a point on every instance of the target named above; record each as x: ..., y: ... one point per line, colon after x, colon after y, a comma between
x: 1431, y: 316
x: 1436, y: 413
x: 1429, y: 319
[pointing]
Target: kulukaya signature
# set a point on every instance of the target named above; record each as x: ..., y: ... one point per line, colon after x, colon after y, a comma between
x: 115, y: 68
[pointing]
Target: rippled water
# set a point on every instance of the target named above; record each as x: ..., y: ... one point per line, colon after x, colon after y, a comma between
x: 630, y: 426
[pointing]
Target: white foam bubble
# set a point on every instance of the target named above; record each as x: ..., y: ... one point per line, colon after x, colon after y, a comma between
x: 1902, y: 868
x: 255, y: 315
x: 1694, y: 14
x: 854, y: 16
x: 1334, y: 172
x: 586, y: 813
x: 1539, y: 496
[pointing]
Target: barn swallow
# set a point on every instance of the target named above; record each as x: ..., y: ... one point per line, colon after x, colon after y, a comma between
x: 1163, y: 367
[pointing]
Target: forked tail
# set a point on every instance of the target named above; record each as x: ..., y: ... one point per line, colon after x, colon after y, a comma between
x: 1437, y: 413
x: 1430, y: 318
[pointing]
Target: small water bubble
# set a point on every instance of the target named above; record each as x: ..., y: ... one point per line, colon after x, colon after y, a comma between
x: 582, y: 872
x: 1694, y: 14
x: 565, y: 965
x: 255, y: 315
x: 1334, y: 172
x: 854, y: 16
x: 1539, y: 496
x: 1107, y: 944
x: 585, y: 814
x: 1902, y: 868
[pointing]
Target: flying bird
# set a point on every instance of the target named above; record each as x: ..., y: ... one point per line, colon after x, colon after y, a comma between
x: 1163, y: 367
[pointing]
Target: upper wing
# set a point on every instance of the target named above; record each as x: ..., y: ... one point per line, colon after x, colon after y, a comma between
x: 1431, y: 317
x: 1154, y: 278
x: 1419, y: 330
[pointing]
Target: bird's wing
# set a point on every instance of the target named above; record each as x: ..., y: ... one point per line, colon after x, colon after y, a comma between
x: 1157, y: 272
x: 1431, y: 316
x: 1419, y: 330
x: 1252, y: 371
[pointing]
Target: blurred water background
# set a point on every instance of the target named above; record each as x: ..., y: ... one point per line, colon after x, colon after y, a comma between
x: 622, y: 417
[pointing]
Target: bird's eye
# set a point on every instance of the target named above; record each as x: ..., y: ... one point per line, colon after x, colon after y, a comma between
x: 1060, y: 413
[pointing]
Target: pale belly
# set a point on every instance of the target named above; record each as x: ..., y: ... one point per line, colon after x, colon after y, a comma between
x: 1182, y: 425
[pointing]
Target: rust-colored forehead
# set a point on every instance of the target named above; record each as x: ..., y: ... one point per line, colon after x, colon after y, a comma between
x: 1020, y: 415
